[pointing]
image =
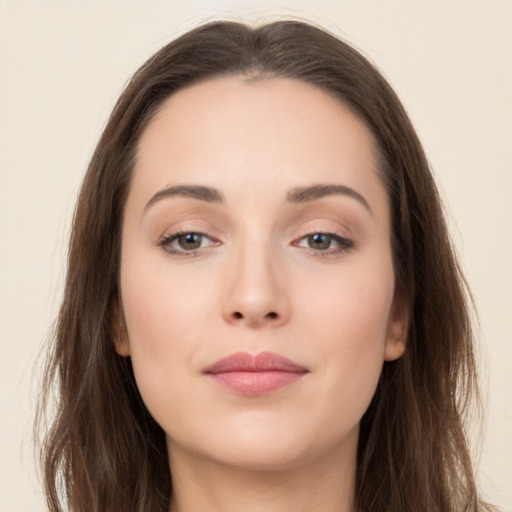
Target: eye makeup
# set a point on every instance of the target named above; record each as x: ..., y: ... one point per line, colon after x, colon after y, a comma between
x: 319, y: 243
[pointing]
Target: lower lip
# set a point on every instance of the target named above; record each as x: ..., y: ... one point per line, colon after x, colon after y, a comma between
x: 256, y: 383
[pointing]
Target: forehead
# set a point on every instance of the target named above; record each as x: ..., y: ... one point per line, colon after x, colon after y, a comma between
x: 258, y: 109
x: 248, y: 134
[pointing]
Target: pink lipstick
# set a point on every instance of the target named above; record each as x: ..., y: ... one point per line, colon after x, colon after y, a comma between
x: 250, y: 375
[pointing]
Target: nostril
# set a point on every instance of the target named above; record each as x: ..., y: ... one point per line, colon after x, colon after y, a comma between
x: 239, y: 315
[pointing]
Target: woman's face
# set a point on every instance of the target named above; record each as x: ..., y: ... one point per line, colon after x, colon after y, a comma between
x: 257, y: 283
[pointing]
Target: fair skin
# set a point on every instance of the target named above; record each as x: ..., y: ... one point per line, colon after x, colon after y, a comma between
x: 263, y: 269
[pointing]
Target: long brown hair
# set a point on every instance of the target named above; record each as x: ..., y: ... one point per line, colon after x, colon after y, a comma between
x: 104, y: 452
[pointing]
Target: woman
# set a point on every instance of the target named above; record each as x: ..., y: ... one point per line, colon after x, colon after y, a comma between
x: 262, y: 310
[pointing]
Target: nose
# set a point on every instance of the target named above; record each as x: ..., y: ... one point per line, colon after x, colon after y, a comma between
x: 255, y: 291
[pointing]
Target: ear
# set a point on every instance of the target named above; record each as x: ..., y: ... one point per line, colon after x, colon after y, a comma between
x: 119, y: 331
x: 398, y: 328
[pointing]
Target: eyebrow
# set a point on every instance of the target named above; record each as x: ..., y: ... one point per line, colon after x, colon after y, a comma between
x: 200, y: 192
x: 311, y: 193
x: 297, y: 195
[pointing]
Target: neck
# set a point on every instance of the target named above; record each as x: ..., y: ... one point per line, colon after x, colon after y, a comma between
x: 322, y: 485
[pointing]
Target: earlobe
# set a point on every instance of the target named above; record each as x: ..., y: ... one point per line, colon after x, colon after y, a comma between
x: 396, y: 341
x: 395, y: 349
x: 122, y: 347
x: 119, y: 332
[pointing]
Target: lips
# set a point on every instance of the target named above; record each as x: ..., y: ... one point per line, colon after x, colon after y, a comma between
x: 251, y: 375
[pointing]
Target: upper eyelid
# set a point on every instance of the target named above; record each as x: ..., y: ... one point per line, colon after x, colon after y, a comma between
x: 313, y: 225
x: 340, y: 239
x: 167, y: 243
x: 344, y: 245
x: 176, y: 234
x: 167, y: 239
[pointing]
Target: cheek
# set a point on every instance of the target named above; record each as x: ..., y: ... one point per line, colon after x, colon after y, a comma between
x: 162, y: 306
x: 352, y: 307
x: 167, y: 321
x: 349, y: 321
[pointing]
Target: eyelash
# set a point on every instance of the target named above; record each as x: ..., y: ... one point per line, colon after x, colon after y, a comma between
x: 166, y: 242
x: 344, y: 244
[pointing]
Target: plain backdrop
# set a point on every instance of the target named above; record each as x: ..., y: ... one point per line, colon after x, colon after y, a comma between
x: 62, y: 66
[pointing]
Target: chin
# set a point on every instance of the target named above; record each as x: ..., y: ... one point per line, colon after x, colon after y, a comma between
x: 268, y: 446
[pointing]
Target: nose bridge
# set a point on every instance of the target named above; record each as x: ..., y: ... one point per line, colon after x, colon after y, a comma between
x: 254, y: 292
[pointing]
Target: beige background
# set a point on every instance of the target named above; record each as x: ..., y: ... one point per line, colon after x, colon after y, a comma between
x: 63, y: 64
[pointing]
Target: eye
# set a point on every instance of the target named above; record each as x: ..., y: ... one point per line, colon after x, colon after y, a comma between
x: 186, y: 243
x: 329, y: 243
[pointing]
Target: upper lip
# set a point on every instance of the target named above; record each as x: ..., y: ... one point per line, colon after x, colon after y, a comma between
x: 262, y: 362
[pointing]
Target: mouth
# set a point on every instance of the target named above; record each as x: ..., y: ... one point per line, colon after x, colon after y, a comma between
x: 254, y: 375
